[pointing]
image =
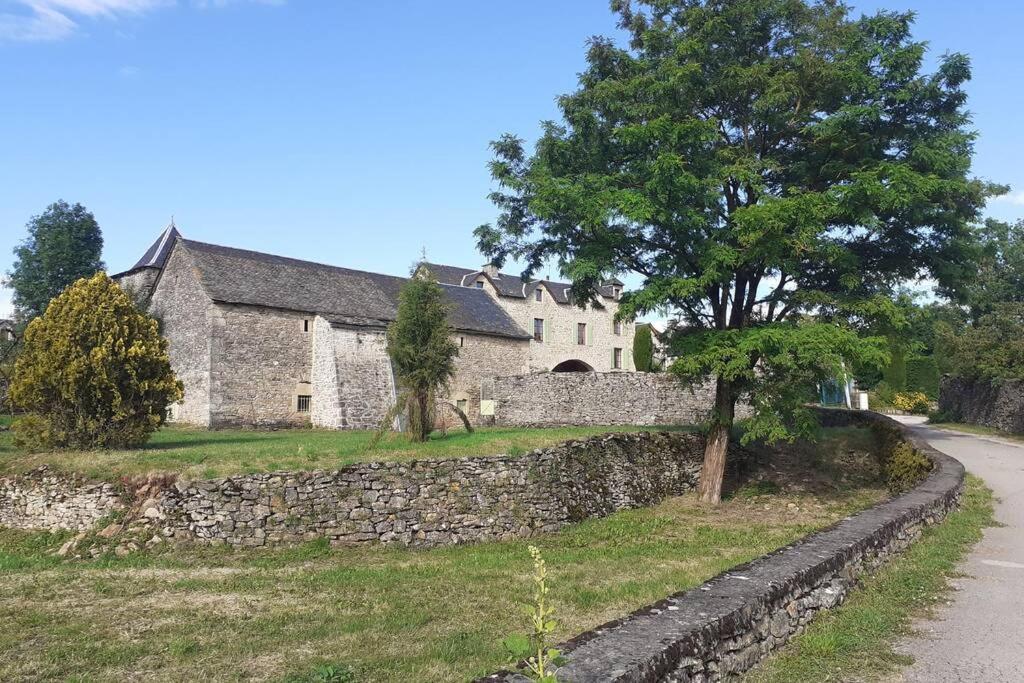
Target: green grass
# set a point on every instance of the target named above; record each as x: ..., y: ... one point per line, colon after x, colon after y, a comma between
x: 313, y: 612
x: 855, y: 641
x: 200, y: 453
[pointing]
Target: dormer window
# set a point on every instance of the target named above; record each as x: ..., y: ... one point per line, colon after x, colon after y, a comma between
x: 479, y: 284
x: 538, y: 294
x: 615, y: 292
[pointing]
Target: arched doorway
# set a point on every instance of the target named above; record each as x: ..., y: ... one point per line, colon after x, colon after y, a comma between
x: 572, y: 365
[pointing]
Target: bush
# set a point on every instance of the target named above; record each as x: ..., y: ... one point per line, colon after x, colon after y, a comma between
x: 881, y: 396
x: 93, y: 372
x: 911, y: 402
x: 905, y: 467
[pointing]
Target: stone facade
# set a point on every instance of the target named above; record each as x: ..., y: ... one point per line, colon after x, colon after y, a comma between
x: 560, y: 338
x: 184, y: 311
x: 260, y: 363
x: 480, y: 358
x: 353, y: 385
x: 43, y: 500
x: 595, y: 398
x: 997, y: 405
x: 722, y: 628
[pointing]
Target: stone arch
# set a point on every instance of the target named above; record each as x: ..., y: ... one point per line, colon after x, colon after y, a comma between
x: 572, y: 365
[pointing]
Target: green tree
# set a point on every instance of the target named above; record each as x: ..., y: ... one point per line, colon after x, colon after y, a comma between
x: 93, y: 372
x: 643, y: 349
x: 422, y: 352
x: 770, y: 168
x: 997, y: 271
x: 64, y: 244
x: 990, y: 349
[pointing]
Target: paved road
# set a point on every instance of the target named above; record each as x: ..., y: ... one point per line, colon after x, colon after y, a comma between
x: 979, y: 638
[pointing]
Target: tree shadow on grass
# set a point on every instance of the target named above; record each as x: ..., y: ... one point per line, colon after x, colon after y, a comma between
x: 189, y: 443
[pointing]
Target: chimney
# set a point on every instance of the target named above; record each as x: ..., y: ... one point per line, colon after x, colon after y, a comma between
x: 490, y: 270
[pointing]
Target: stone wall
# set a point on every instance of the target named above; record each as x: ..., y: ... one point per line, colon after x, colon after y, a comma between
x: 996, y: 405
x: 183, y: 308
x: 724, y: 627
x: 45, y: 501
x: 438, y: 502
x: 353, y: 385
x: 260, y: 362
x: 480, y: 358
x: 595, y: 398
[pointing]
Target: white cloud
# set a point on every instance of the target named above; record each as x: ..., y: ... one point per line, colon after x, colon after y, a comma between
x: 129, y: 71
x: 1011, y: 198
x: 49, y: 20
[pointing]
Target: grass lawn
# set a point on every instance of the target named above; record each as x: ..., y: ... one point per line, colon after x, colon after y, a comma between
x: 199, y: 453
x: 855, y: 641
x: 390, y: 614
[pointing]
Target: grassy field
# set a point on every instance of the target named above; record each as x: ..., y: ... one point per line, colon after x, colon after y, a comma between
x: 390, y: 614
x: 855, y: 641
x: 200, y: 453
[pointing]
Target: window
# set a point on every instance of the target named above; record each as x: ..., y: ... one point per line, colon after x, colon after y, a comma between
x: 304, y: 401
x: 479, y: 284
x: 581, y: 333
x: 305, y: 326
x: 615, y: 293
x: 538, y: 294
x: 538, y: 329
x: 462, y: 341
x: 462, y: 404
x: 617, y: 327
x: 616, y: 359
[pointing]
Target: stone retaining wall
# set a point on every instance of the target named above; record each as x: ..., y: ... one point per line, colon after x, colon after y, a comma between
x: 438, y: 502
x: 1000, y: 406
x: 43, y: 500
x: 600, y: 398
x: 722, y: 628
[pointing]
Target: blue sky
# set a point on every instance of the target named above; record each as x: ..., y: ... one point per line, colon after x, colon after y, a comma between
x: 343, y: 132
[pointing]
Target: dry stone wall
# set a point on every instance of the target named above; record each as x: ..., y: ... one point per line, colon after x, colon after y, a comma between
x: 46, y: 501
x: 722, y: 628
x: 438, y: 502
x: 996, y: 405
x: 600, y: 398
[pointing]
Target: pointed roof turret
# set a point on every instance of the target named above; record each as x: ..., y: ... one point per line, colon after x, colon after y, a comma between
x: 156, y: 255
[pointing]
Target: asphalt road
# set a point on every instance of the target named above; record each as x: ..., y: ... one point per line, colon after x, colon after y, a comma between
x: 980, y: 636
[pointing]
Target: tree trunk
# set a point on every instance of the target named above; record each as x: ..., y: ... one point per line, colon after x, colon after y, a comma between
x: 712, y: 473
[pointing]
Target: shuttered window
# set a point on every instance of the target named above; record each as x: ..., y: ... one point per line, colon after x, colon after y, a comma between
x: 538, y: 329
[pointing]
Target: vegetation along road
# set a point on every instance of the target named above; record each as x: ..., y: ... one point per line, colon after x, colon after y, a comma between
x: 980, y: 635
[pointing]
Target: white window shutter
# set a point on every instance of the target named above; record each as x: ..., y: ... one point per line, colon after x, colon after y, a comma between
x: 590, y: 335
x: 547, y: 330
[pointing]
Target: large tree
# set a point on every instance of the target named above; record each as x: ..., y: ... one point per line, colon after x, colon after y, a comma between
x: 64, y: 244
x: 770, y: 168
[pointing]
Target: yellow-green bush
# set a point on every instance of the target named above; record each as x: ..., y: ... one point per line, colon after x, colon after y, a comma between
x: 905, y: 467
x: 911, y: 402
x: 93, y: 372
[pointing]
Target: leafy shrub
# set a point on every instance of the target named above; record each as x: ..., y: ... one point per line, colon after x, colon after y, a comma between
x: 93, y: 372
x: 911, y: 402
x: 905, y: 467
x: 881, y: 396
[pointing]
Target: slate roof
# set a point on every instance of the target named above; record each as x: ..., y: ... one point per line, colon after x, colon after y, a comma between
x: 511, y: 285
x: 341, y: 295
x: 156, y: 255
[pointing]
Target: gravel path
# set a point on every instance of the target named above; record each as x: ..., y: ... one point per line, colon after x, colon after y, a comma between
x: 979, y: 637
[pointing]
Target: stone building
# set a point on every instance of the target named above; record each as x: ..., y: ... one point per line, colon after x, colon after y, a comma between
x: 265, y: 340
